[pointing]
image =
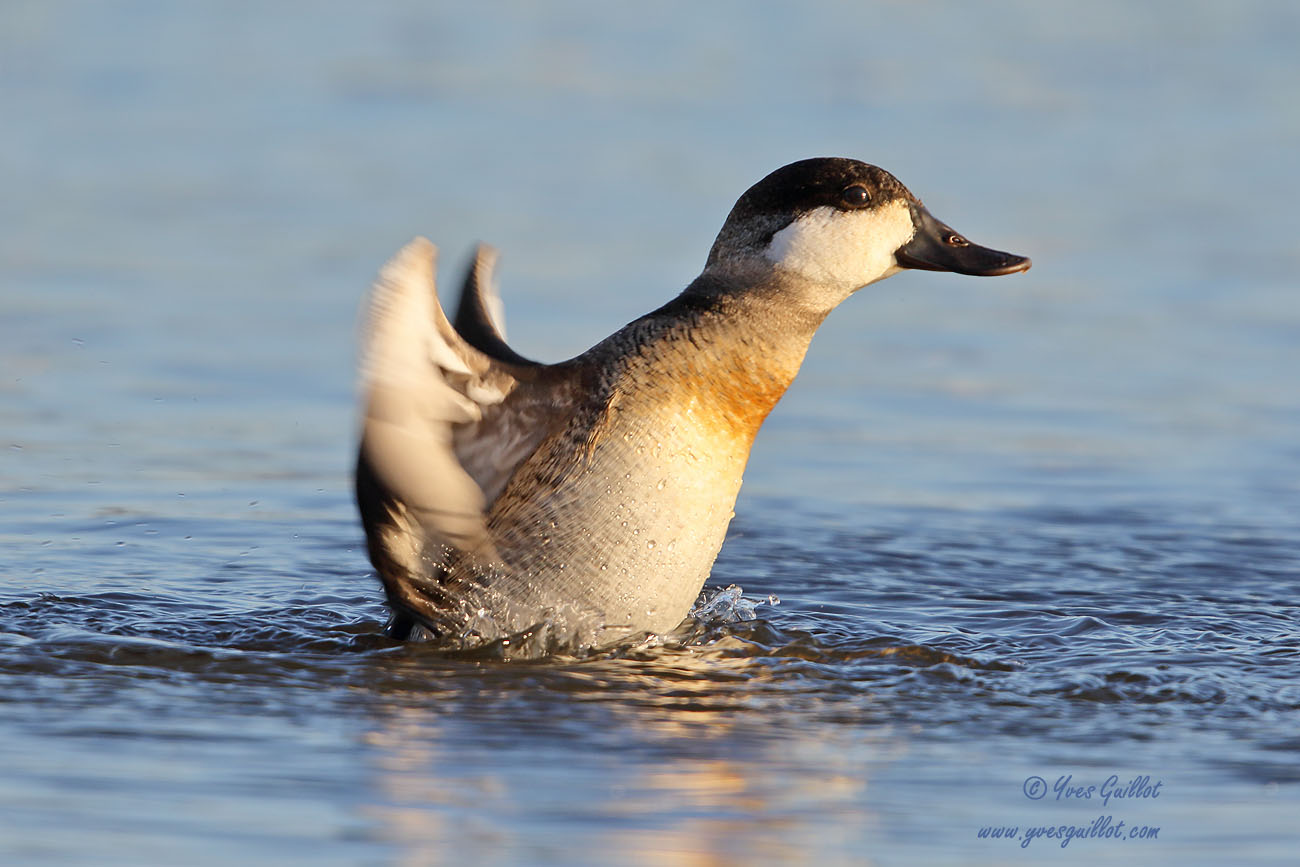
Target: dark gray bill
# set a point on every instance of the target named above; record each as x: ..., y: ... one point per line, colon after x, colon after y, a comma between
x: 938, y: 247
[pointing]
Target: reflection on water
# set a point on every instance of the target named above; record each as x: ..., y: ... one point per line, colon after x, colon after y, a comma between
x: 661, y: 758
x: 1042, y: 526
x: 730, y: 807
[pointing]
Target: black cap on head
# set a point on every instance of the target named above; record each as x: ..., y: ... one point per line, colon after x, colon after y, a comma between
x: 819, y: 182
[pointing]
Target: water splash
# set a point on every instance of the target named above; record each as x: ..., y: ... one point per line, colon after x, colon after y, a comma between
x: 728, y: 605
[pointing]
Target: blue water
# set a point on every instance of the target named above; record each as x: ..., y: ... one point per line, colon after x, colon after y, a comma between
x: 1041, y: 526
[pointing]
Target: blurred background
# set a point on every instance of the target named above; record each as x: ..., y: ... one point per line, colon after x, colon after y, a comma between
x: 196, y: 196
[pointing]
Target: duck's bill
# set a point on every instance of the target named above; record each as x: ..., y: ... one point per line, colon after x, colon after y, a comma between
x: 938, y: 247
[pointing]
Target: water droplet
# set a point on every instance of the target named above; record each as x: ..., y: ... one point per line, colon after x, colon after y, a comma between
x: 650, y: 545
x: 661, y: 485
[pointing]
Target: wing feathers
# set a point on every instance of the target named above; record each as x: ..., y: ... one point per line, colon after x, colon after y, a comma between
x: 480, y: 316
x: 420, y: 379
x: 450, y: 413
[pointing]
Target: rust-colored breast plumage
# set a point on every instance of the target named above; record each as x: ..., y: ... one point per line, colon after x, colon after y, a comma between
x: 624, y: 509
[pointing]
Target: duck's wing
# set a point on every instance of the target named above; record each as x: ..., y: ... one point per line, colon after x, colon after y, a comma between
x: 480, y: 316
x: 439, y: 440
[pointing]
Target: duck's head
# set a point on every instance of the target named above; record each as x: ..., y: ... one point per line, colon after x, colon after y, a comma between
x: 841, y: 224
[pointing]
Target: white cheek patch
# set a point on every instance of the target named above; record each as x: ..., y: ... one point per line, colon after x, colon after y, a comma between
x: 846, y: 248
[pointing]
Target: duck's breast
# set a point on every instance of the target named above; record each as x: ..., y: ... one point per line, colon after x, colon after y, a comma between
x: 624, y: 511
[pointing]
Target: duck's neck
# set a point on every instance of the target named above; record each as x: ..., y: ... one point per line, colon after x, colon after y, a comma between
x: 727, y: 356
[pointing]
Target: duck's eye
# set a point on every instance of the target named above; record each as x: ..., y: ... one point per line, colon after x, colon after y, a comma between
x: 855, y: 196
x: 955, y: 240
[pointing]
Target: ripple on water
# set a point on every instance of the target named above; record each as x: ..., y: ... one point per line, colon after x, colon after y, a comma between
x: 1085, y: 629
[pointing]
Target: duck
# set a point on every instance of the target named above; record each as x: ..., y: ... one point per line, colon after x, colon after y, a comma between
x: 498, y: 493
